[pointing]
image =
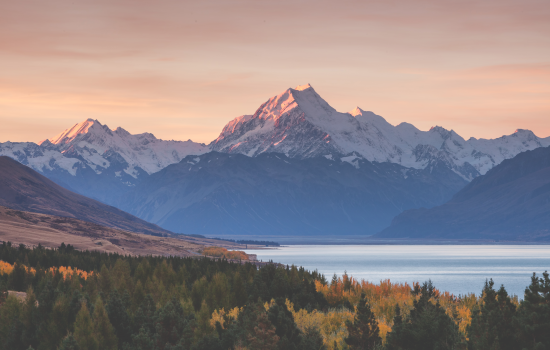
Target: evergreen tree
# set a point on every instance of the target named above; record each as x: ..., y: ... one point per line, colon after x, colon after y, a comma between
x: 282, y: 319
x: 9, y: 315
x: 119, y: 318
x: 363, y: 331
x: 313, y: 340
x: 169, y: 324
x: 144, y: 317
x: 69, y: 343
x: 141, y: 341
x: 427, y: 327
x: 218, y: 296
x: 209, y: 342
x: 31, y: 320
x: 74, y: 306
x: 198, y: 292
x: 491, y: 326
x: 203, y: 322
x: 533, y: 319
x: 83, y: 330
x: 103, y: 330
x: 239, y: 290
x: 104, y: 281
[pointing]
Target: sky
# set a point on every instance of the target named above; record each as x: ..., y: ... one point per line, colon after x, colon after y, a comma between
x: 182, y: 69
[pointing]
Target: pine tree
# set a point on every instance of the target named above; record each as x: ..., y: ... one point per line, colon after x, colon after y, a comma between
x: 104, y: 281
x: 9, y: 314
x: 533, y: 319
x: 239, y: 290
x: 69, y: 343
x: 83, y: 330
x: 282, y: 319
x: 103, y: 330
x: 426, y: 327
x: 119, y: 318
x: 169, y: 324
x: 313, y: 340
x: 203, y: 322
x: 363, y: 332
x: 491, y: 326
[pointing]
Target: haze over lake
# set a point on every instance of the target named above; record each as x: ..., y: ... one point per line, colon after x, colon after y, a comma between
x: 459, y: 269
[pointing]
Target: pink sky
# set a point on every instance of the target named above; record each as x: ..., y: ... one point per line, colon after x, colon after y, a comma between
x: 183, y: 69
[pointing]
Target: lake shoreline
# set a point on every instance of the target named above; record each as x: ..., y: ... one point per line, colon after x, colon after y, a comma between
x: 359, y: 240
x: 459, y: 269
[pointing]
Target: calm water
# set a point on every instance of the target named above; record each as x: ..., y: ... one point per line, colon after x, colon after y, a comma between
x: 454, y: 268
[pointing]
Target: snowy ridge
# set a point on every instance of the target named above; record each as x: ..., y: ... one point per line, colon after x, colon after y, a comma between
x: 39, y: 158
x: 96, y: 143
x: 299, y: 123
x: 92, y: 148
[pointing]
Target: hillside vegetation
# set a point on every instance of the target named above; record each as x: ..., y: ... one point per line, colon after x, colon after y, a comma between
x: 95, y: 300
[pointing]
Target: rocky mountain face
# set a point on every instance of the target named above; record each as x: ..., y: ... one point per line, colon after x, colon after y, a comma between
x: 272, y: 194
x: 300, y: 124
x: 24, y: 189
x: 98, y: 162
x: 389, y: 169
x: 510, y: 202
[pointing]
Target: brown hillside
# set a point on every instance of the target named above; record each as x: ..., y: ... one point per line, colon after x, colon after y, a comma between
x: 31, y: 229
x: 24, y: 189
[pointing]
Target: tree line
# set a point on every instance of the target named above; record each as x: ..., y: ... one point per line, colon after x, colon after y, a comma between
x: 93, y: 300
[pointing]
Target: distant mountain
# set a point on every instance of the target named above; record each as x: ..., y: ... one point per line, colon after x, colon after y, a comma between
x: 402, y: 167
x: 510, y: 202
x: 98, y: 162
x: 300, y: 124
x: 271, y: 194
x: 24, y: 189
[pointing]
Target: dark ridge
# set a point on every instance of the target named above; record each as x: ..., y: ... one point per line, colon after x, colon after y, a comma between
x: 24, y: 189
x: 510, y: 202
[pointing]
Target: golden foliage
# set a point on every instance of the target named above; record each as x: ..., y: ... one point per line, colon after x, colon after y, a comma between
x: 331, y: 324
x: 221, y: 315
x: 220, y: 252
x: 69, y: 271
x: 7, y: 268
x: 383, y: 298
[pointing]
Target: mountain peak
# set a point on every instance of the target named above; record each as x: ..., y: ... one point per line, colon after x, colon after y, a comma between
x: 303, y: 87
x: 524, y: 131
x: 78, y: 129
x: 356, y: 111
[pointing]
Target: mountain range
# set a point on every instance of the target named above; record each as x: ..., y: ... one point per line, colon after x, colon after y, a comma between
x: 510, y: 202
x: 93, y: 160
x: 284, y: 157
x: 300, y: 124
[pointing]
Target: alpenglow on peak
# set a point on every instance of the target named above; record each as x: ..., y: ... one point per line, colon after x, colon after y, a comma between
x: 300, y: 123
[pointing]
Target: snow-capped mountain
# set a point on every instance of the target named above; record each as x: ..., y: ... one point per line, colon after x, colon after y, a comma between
x: 299, y: 123
x: 96, y: 144
x: 98, y: 162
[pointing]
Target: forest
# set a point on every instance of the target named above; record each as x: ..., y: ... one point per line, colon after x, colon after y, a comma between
x: 91, y: 300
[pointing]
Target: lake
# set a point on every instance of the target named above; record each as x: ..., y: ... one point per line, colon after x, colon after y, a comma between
x: 459, y: 269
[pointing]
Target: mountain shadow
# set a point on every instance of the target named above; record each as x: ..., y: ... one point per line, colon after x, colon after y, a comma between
x: 510, y: 202
x: 271, y: 194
